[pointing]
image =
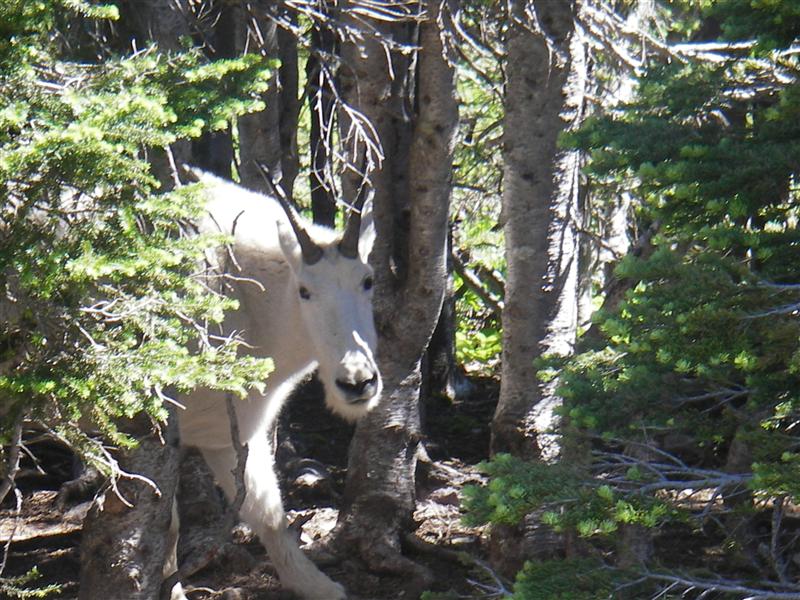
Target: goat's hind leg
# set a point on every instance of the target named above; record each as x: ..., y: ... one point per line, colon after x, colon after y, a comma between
x: 263, y: 511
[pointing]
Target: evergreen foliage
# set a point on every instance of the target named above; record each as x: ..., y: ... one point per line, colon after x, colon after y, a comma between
x: 687, y: 391
x: 578, y: 579
x: 566, y: 498
x: 104, y: 308
x: 19, y: 587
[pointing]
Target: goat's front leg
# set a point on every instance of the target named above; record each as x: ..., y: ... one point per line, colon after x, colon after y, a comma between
x: 263, y: 511
x: 171, y: 565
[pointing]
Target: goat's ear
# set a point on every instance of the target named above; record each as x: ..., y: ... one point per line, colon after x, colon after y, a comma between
x: 289, y: 245
x: 366, y: 235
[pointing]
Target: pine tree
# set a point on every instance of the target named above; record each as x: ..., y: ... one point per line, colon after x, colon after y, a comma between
x: 689, y: 395
x: 105, y: 312
x: 95, y: 257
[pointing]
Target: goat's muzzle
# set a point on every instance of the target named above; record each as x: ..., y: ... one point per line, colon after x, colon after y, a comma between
x: 360, y: 391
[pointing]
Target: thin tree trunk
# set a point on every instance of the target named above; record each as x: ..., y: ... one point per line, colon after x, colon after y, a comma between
x: 288, y: 76
x: 410, y: 209
x: 320, y: 103
x: 9, y: 458
x: 124, y: 547
x: 213, y: 151
x: 260, y: 133
x: 739, y: 501
x: 164, y: 23
x: 441, y: 373
x: 589, y: 250
x: 539, y: 210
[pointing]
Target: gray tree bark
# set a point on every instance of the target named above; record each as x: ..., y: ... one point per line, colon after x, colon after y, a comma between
x: 269, y: 137
x: 540, y: 204
x: 124, y: 547
x: 213, y: 151
x: 164, y: 23
x: 412, y: 191
x: 159, y: 21
x: 442, y: 375
x: 321, y: 107
x: 545, y: 84
x: 738, y: 500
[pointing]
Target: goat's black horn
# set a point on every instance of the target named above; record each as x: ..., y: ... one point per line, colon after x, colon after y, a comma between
x: 312, y: 253
x: 348, y: 247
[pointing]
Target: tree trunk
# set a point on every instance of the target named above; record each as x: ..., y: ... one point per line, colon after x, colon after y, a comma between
x: 321, y: 107
x: 540, y: 207
x: 164, y: 23
x: 160, y: 21
x: 412, y: 191
x: 441, y: 372
x: 213, y: 151
x: 268, y: 137
x: 739, y: 502
x: 124, y: 547
x: 288, y: 79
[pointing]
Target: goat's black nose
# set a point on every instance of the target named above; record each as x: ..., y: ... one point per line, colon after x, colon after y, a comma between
x: 359, y: 390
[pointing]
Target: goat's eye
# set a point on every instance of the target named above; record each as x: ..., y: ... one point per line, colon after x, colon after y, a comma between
x: 304, y: 293
x: 367, y: 283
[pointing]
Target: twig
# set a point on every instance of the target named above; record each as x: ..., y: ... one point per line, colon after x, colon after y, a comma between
x: 476, y: 285
x: 12, y: 464
x: 242, y: 452
x: 7, y: 548
x: 786, y: 309
x: 776, y: 556
x: 498, y: 590
x: 173, y: 168
x: 729, y: 585
x: 99, y: 455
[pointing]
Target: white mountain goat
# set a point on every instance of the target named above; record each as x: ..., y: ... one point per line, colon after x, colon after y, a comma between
x: 306, y: 302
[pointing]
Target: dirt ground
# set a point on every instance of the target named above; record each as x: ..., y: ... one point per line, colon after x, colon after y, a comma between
x: 314, y: 456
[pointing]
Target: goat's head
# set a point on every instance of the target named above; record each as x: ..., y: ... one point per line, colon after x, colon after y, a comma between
x: 333, y: 283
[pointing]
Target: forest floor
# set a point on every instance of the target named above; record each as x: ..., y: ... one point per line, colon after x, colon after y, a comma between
x: 314, y: 454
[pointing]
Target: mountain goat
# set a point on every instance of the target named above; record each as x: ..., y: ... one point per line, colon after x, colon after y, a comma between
x: 306, y: 302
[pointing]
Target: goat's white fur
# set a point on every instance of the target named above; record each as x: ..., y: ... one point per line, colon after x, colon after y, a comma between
x: 332, y: 331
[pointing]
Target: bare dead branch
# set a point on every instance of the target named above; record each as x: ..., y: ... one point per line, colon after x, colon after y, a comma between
x: 474, y: 283
x: 96, y: 453
x: 732, y: 586
x: 17, y: 518
x: 776, y: 554
x: 241, y: 462
x: 11, y: 466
